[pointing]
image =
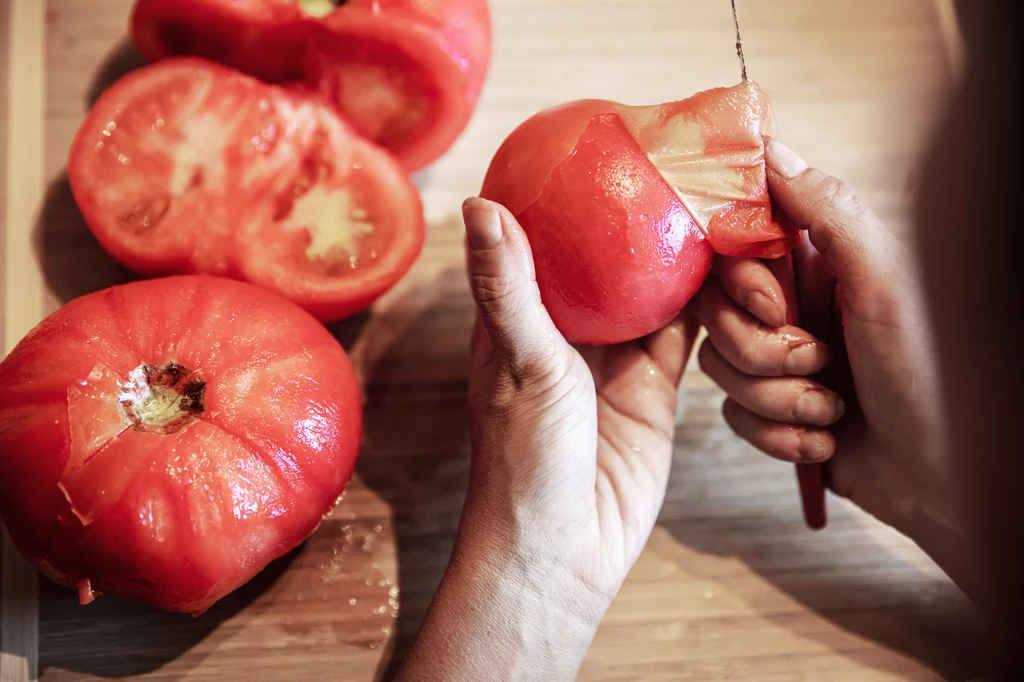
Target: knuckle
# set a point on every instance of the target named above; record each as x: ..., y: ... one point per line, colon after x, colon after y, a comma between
x: 750, y: 358
x: 532, y: 375
x: 839, y: 196
x: 491, y: 290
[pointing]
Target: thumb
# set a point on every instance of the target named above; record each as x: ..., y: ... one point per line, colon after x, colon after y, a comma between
x: 855, y: 244
x: 504, y: 285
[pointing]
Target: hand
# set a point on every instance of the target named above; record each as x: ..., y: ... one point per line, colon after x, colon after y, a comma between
x: 571, y: 456
x: 881, y: 432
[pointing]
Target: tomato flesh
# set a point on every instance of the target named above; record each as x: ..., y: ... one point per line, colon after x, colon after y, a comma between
x: 186, y: 166
x: 625, y: 206
x: 166, y: 439
x: 406, y: 73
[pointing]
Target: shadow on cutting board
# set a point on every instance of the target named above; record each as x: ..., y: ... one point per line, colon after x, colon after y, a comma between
x: 416, y: 446
x: 72, y: 261
x: 122, y: 60
x: 116, y: 638
x: 912, y: 614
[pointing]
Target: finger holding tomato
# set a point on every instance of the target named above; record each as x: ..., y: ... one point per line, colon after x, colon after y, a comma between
x: 626, y: 206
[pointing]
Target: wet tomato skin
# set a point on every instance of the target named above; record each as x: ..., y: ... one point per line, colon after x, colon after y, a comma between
x: 623, y: 263
x: 174, y: 518
x: 187, y: 166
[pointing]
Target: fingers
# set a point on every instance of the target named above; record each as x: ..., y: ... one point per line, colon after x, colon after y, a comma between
x: 793, y: 400
x: 853, y: 241
x: 750, y: 283
x: 671, y: 346
x: 504, y: 284
x: 788, y: 442
x: 751, y: 347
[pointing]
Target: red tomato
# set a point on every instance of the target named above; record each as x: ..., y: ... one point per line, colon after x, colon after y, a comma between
x: 625, y: 206
x: 187, y: 166
x: 406, y: 73
x: 164, y: 440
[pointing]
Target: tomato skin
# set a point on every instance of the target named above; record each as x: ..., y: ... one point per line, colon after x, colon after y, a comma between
x: 625, y: 206
x: 228, y: 163
x: 178, y: 519
x: 406, y: 73
x: 621, y: 264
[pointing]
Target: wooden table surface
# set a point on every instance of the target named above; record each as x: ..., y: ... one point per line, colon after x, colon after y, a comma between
x: 731, y: 586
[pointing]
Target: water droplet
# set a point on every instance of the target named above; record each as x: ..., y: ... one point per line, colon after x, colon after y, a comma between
x: 380, y: 610
x: 369, y: 581
x: 373, y: 645
x: 393, y: 592
x: 382, y: 583
x: 386, y: 630
x: 378, y: 528
x: 352, y: 601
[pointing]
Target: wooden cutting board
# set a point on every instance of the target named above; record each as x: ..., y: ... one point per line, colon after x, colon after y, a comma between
x: 731, y: 586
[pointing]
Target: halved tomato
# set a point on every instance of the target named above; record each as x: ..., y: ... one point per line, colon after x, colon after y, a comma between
x: 187, y: 166
x: 624, y: 207
x: 406, y: 73
x: 166, y: 439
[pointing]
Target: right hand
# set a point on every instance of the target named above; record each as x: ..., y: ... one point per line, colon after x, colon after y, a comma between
x: 882, y: 432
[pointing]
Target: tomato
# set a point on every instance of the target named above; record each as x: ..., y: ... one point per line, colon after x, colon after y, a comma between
x: 624, y: 207
x: 406, y: 73
x: 164, y: 440
x: 190, y: 167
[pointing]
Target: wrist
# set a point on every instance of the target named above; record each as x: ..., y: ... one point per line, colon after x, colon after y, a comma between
x: 501, y: 614
x: 939, y: 531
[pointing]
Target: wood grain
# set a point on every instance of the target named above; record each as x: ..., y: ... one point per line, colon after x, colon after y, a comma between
x: 731, y: 586
x: 23, y: 289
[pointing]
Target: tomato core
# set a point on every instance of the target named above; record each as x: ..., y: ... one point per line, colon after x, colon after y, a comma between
x: 161, y: 398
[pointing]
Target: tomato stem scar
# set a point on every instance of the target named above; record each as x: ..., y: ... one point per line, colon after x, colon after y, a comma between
x: 161, y: 398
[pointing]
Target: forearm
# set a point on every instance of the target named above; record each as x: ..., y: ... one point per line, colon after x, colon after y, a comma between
x: 501, y: 616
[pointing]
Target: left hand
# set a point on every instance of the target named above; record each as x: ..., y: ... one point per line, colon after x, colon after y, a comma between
x: 571, y: 454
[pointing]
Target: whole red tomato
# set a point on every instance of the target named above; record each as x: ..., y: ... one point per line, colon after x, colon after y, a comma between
x: 406, y: 73
x: 186, y: 166
x: 164, y: 440
x: 625, y: 206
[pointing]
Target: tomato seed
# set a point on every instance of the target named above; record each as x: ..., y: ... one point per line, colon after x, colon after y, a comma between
x: 147, y: 213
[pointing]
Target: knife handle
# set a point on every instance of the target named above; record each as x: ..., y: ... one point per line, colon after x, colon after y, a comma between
x: 815, y: 287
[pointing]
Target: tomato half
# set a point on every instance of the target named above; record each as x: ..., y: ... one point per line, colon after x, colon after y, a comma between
x: 164, y: 440
x: 624, y: 207
x: 406, y: 73
x: 186, y: 166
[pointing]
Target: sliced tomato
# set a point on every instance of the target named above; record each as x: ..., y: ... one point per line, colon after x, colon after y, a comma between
x: 261, y: 37
x: 166, y: 439
x: 624, y: 206
x: 406, y: 73
x: 187, y: 166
